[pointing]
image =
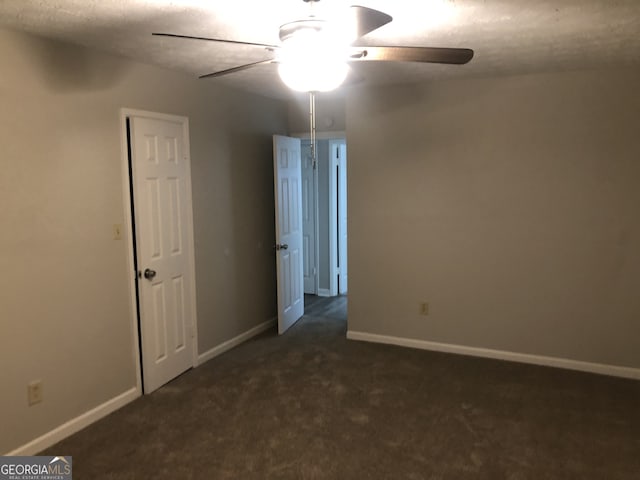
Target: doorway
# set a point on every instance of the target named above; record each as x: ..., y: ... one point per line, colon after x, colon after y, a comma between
x: 156, y: 166
x: 324, y: 192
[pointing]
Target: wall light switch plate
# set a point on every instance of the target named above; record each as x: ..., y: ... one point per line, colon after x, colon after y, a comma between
x: 34, y: 392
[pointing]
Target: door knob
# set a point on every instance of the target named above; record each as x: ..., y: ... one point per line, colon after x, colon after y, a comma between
x: 149, y: 274
x: 283, y: 246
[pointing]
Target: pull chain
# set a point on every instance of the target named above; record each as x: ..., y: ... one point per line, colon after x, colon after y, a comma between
x: 312, y: 124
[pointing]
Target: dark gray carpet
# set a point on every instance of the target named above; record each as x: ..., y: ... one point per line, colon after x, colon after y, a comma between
x: 313, y: 405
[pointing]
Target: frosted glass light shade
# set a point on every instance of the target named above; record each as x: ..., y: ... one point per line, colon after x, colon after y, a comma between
x: 313, y: 76
x: 310, y: 61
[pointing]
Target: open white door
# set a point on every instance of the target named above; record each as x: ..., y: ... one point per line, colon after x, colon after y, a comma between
x: 288, y: 198
x: 164, y: 246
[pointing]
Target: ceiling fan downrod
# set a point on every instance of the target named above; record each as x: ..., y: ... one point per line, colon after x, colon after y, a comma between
x: 311, y: 5
x: 312, y: 127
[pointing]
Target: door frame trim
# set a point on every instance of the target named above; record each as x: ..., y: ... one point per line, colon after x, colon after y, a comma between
x: 341, y: 208
x: 334, y: 217
x: 126, y: 113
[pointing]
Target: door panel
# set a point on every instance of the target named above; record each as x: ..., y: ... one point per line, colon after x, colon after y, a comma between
x: 288, y: 206
x: 161, y: 209
x: 180, y: 327
x: 175, y: 220
x: 159, y: 320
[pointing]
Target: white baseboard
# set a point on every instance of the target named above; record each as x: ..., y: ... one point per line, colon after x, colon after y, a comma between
x: 612, y: 370
x: 324, y: 292
x: 229, y: 344
x: 76, y: 424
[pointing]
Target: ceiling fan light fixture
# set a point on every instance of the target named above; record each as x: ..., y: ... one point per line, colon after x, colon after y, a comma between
x: 313, y: 77
x: 314, y: 53
x: 312, y: 61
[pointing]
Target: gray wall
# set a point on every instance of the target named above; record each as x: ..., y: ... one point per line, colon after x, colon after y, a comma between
x: 330, y: 113
x: 512, y: 205
x: 65, y: 315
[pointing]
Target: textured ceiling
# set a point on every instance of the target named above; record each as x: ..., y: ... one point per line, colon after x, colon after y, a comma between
x: 508, y: 36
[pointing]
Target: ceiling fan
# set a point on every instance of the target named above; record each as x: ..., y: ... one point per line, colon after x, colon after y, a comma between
x: 314, y: 53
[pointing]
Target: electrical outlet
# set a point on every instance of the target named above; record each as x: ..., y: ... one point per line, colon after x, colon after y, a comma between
x: 117, y: 231
x: 34, y: 392
x: 424, y: 308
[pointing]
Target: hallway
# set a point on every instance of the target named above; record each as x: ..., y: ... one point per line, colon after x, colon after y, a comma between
x: 330, y: 307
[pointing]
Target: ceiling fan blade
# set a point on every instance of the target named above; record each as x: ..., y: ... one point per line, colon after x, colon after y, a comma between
x: 455, y: 56
x: 220, y: 40
x: 236, y: 69
x: 367, y: 19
